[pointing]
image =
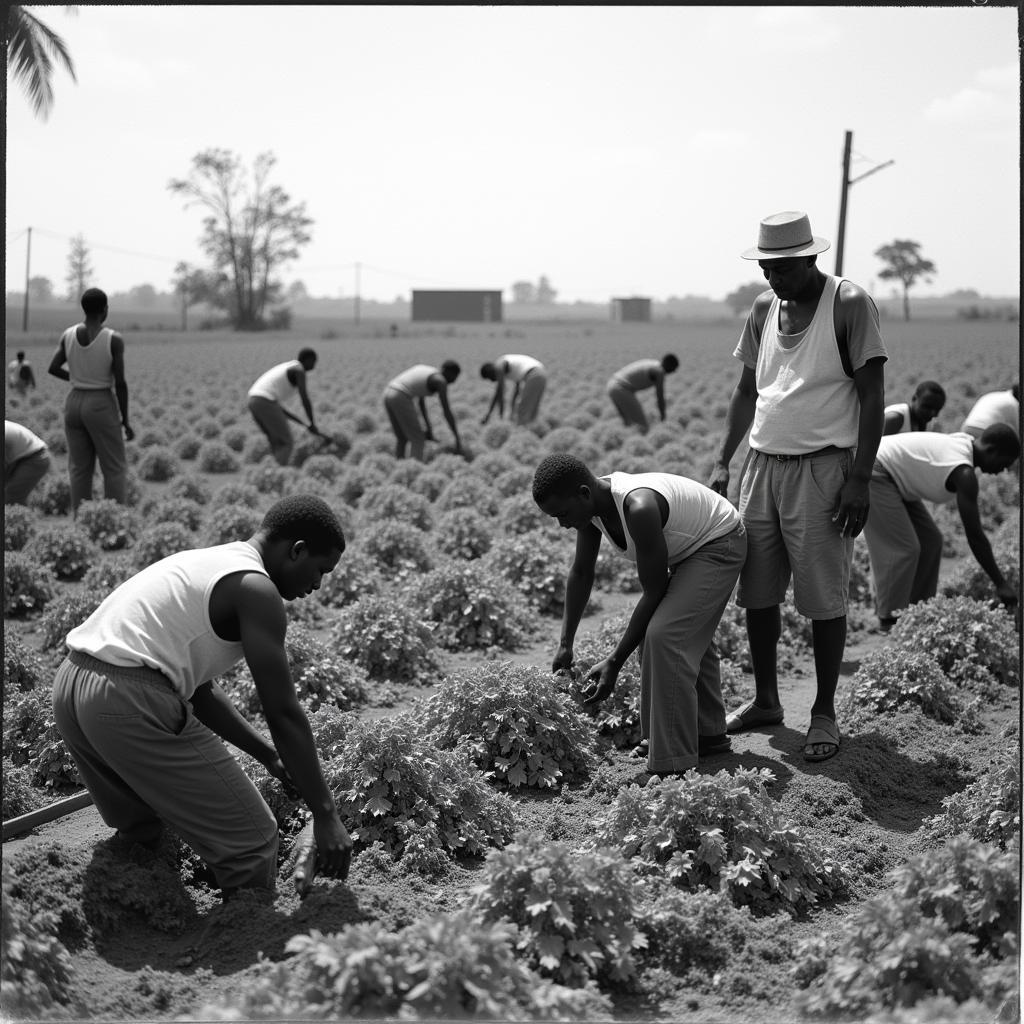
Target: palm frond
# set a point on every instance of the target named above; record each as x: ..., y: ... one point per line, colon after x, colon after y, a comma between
x: 32, y: 48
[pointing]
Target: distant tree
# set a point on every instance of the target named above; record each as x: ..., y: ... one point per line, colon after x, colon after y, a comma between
x: 249, y: 233
x: 545, y: 293
x: 297, y: 292
x: 191, y: 285
x: 523, y: 292
x: 40, y: 289
x: 904, y: 263
x: 740, y: 300
x: 79, y: 268
x: 31, y: 49
x: 143, y: 295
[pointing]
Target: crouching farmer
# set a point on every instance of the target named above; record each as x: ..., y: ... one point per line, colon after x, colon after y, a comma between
x: 137, y: 705
x: 689, y: 545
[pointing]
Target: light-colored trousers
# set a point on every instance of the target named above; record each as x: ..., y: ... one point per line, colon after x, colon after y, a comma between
x: 273, y: 422
x: 531, y: 390
x: 92, y: 424
x: 680, y: 676
x: 144, y: 756
x: 628, y: 406
x: 904, y: 548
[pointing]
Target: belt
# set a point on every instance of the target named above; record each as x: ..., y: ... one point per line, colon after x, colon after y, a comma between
x: 803, y: 455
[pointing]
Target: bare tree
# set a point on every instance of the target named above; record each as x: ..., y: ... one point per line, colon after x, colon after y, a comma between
x: 905, y: 264
x: 249, y: 233
x: 545, y: 293
x: 79, y: 268
x: 32, y: 48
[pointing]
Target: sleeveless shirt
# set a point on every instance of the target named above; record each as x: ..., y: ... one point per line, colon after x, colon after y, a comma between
x: 274, y: 384
x: 637, y: 376
x: 517, y: 367
x: 995, y: 407
x: 903, y: 408
x: 413, y: 382
x: 696, y: 514
x: 920, y: 463
x: 20, y: 443
x: 160, y: 618
x: 90, y: 367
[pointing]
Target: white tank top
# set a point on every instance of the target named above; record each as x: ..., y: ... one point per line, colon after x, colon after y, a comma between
x: 20, y: 443
x: 413, y: 381
x: 90, y: 367
x: 995, y: 407
x: 637, y: 376
x: 160, y: 618
x: 696, y: 514
x: 805, y: 401
x: 903, y: 408
x: 275, y: 385
x: 920, y: 463
x: 517, y: 367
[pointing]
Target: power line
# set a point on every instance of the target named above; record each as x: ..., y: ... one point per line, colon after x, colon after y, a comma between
x: 106, y: 248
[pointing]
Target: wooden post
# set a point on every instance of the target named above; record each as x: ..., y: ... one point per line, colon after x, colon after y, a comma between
x: 841, y: 233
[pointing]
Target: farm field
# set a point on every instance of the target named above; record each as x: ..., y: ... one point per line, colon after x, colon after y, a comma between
x: 879, y: 886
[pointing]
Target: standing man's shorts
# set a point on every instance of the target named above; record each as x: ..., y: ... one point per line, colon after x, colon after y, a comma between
x: 787, y: 507
x: 627, y: 404
x: 531, y: 389
x: 401, y: 410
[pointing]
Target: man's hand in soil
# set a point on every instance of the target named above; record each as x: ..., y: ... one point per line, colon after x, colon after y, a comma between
x: 333, y: 847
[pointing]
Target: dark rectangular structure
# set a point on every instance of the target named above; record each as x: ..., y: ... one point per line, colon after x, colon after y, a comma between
x: 460, y: 306
x: 635, y: 309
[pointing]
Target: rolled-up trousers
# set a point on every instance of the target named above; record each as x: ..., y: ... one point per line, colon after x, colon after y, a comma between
x: 680, y: 676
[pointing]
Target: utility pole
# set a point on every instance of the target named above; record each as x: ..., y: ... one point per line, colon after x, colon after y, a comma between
x: 28, y: 261
x: 358, y: 268
x: 847, y: 182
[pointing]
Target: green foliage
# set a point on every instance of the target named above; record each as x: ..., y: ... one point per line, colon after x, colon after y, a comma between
x: 189, y: 486
x: 108, y: 523
x: 23, y: 668
x: 52, y: 496
x: 725, y: 833
x: 356, y: 575
x: 104, y: 576
x: 515, y: 724
x: 217, y: 457
x: 575, y: 908
x: 159, y: 541
x: 519, y: 512
x: 989, y: 808
x: 158, y: 465
x: 28, y: 584
x: 229, y: 523
x: 973, y: 643
x: 397, y: 789
x: 968, y: 579
x: 185, y: 511
x: 31, y: 738
x: 535, y: 564
x: 65, y: 613
x: 893, y: 677
x: 187, y: 447
x: 19, y: 794
x: 386, y: 639
x: 464, y: 533
x: 20, y: 524
x: 393, y: 502
x: 449, y: 967
x: 236, y: 492
x: 473, y: 608
x: 272, y: 480
x: 398, y: 547
x: 469, y: 492
x: 67, y: 551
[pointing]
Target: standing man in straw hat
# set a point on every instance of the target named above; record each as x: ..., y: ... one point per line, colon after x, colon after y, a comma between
x: 812, y: 393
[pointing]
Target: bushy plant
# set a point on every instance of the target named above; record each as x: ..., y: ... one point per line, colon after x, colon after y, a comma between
x: 535, y: 564
x: 190, y: 486
x: 465, y: 491
x: 235, y: 438
x: 160, y: 540
x: 515, y: 724
x: 158, y: 465
x: 31, y: 738
x: 893, y: 677
x: 973, y: 643
x: 386, y: 639
x: 67, y: 551
x: 430, y: 483
x: 23, y: 667
x: 227, y: 523
x: 271, y: 479
x: 217, y: 457
x: 398, y: 547
x: 721, y: 832
x: 448, y: 967
x: 575, y: 908
x: 19, y: 795
x: 989, y: 808
x: 520, y: 514
x: 20, y: 524
x: 393, y: 502
x: 65, y: 613
x: 52, y: 496
x: 515, y: 482
x: 28, y: 584
x: 472, y: 608
x: 968, y: 579
x: 326, y: 468
x: 950, y: 914
x: 236, y: 492
x: 207, y: 427
x: 104, y: 576
x: 187, y: 447
x: 185, y: 511
x: 355, y: 576
x: 463, y: 533
x: 494, y: 435
x: 108, y: 523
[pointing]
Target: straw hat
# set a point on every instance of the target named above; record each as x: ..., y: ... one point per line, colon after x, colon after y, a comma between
x: 784, y: 235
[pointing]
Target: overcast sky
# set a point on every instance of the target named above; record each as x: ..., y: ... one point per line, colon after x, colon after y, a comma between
x: 616, y: 150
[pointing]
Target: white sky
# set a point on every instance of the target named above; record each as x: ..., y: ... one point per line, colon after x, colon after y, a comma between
x: 617, y: 150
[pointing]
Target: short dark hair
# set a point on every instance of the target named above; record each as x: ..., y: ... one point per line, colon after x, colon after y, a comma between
x: 670, y: 363
x: 450, y: 368
x: 930, y: 387
x: 1002, y: 439
x: 304, y: 517
x: 94, y: 301
x: 19, y: 356
x: 306, y: 353
x: 488, y: 372
x: 559, y: 473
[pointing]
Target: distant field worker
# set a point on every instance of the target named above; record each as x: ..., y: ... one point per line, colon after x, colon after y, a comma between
x: 409, y: 390
x: 96, y: 410
x: 625, y: 383
x: 927, y: 402
x: 272, y: 391
x: 904, y: 544
x: 994, y: 407
x: 20, y: 375
x: 530, y: 380
x: 26, y: 462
